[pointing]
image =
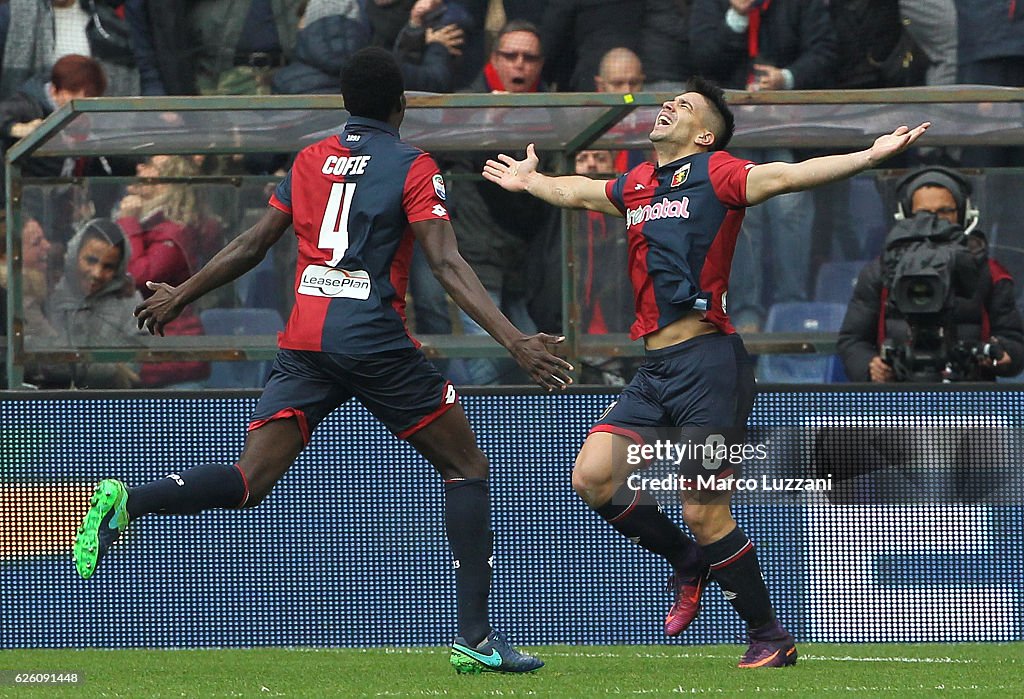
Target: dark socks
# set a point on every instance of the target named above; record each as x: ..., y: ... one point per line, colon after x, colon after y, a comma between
x: 190, y: 492
x: 735, y: 568
x: 467, y: 515
x: 635, y: 514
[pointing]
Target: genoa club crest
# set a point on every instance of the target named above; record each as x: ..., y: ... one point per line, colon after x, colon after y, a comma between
x: 680, y: 175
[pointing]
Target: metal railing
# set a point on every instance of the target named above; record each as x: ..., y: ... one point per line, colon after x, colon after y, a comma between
x: 563, y: 123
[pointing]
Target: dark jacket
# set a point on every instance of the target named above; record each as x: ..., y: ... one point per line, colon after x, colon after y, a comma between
x: 321, y: 49
x: 576, y: 34
x: 867, y: 32
x: 217, y: 26
x: 32, y: 102
x: 605, y: 298
x: 164, y: 47
x: 991, y: 311
x: 665, y: 45
x: 386, y: 21
x: 795, y: 34
x: 29, y: 103
x: 989, y: 29
x: 503, y: 235
x: 429, y: 67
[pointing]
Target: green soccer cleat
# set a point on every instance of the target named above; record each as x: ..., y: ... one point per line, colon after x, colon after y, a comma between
x: 106, y: 519
x: 493, y: 654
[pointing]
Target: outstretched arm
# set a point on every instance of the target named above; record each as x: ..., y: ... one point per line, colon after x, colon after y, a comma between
x: 568, y: 192
x: 437, y: 239
x: 241, y: 254
x: 768, y: 180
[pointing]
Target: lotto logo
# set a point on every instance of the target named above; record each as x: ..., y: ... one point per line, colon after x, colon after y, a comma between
x: 449, y: 394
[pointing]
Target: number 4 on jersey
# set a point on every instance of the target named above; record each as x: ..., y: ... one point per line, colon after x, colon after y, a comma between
x: 334, y: 227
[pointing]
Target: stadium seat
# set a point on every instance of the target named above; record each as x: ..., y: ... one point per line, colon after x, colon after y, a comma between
x: 259, y: 287
x: 868, y: 210
x: 836, y: 281
x: 802, y: 317
x: 240, y: 321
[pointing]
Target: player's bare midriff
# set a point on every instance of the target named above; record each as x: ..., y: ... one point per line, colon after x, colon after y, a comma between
x: 686, y: 328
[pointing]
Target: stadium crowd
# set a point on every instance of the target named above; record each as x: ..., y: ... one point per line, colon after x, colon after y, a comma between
x: 52, y: 51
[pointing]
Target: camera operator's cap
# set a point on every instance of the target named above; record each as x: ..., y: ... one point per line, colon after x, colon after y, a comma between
x: 937, y: 176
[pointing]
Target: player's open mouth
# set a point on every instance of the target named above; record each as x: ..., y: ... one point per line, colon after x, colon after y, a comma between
x: 663, y: 120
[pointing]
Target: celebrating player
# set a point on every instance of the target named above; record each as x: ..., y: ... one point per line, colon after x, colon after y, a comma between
x: 682, y: 217
x: 356, y: 200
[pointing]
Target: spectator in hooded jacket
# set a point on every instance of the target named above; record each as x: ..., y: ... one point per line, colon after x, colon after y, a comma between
x: 92, y: 306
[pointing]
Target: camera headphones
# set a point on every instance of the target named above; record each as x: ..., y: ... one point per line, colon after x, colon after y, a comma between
x: 937, y: 176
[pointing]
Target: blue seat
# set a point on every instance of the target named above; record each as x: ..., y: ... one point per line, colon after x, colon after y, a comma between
x: 260, y: 287
x: 836, y: 281
x: 802, y: 317
x: 868, y: 210
x: 240, y: 321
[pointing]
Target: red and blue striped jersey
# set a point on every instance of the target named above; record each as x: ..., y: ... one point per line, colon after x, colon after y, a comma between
x: 352, y: 198
x: 682, y: 220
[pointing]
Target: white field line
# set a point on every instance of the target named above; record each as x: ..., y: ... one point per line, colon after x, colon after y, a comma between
x: 873, y: 690
x: 942, y: 660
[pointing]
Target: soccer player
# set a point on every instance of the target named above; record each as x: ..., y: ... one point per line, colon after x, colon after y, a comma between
x: 356, y: 200
x: 682, y: 218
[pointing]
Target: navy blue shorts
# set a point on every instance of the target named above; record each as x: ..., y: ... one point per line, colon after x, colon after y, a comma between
x: 400, y: 387
x: 698, y: 392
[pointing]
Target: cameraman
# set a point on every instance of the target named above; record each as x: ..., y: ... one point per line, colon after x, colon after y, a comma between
x: 986, y: 319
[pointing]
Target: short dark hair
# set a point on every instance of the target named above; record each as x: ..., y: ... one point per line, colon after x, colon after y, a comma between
x: 518, y: 25
x: 79, y: 73
x: 716, y: 100
x: 371, y: 84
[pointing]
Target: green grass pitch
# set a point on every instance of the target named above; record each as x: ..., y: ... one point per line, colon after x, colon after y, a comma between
x: 895, y: 670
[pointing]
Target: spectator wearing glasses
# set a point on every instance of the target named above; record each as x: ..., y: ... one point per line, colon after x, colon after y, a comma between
x: 516, y: 62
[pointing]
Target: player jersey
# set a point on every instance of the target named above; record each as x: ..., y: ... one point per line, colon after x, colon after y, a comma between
x: 352, y: 197
x: 682, y: 220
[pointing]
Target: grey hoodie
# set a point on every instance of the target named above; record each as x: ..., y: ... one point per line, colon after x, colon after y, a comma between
x: 102, y: 319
